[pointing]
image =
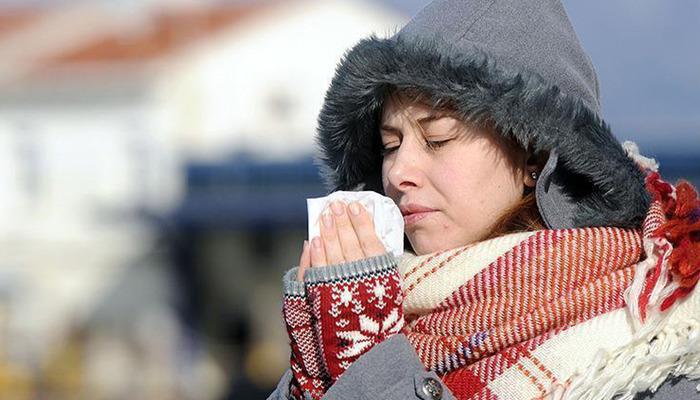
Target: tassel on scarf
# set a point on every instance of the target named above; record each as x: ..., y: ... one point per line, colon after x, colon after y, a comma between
x: 682, y: 230
x: 671, y: 242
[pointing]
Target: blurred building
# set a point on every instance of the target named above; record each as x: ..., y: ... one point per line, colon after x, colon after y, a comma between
x: 136, y: 143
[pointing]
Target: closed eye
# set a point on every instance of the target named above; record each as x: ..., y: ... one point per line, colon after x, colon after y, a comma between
x: 388, y: 150
x: 432, y: 144
x: 437, y: 143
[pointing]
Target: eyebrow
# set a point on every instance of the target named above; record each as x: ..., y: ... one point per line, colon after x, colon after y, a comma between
x: 421, y: 121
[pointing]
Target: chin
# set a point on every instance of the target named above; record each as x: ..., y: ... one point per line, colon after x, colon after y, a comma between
x: 421, y: 247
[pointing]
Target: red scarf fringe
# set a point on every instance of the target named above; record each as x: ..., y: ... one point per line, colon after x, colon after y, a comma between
x: 682, y: 230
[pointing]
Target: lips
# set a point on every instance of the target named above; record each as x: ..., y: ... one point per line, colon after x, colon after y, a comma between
x: 413, y: 213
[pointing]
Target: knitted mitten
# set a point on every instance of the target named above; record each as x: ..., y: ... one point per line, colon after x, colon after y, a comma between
x: 354, y: 306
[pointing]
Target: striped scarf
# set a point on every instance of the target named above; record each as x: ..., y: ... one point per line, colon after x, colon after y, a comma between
x: 524, y: 315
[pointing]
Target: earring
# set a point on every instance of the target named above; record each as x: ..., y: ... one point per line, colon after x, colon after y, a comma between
x: 534, y: 176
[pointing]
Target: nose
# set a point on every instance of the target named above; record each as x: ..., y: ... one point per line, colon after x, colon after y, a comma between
x: 404, y: 169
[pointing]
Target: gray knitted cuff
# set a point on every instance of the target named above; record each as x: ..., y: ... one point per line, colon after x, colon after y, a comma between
x: 293, y: 287
x: 353, y: 269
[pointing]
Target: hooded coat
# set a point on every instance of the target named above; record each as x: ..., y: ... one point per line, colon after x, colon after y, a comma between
x: 517, y: 64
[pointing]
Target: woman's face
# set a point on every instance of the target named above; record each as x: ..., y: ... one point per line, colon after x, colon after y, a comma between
x: 452, y: 194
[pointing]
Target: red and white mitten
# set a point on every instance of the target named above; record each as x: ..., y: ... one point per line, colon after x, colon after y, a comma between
x: 354, y: 306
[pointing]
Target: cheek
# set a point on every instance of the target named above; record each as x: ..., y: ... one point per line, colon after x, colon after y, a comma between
x: 483, y: 188
x: 461, y: 181
x: 385, y: 181
x: 385, y: 168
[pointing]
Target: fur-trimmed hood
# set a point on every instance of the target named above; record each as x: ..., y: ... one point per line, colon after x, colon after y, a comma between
x: 517, y: 63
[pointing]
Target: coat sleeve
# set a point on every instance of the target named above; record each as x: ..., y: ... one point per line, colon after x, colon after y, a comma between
x: 282, y: 390
x: 390, y: 371
x: 673, y: 389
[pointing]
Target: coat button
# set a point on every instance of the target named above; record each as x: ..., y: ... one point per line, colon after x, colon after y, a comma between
x: 432, y: 388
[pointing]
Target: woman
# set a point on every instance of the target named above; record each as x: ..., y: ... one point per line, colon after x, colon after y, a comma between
x: 544, y: 260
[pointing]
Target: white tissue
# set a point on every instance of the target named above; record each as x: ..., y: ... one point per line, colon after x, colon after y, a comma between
x: 387, y: 218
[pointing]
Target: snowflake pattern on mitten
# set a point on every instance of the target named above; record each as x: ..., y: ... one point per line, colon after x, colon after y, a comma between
x: 354, y: 307
x: 336, y: 315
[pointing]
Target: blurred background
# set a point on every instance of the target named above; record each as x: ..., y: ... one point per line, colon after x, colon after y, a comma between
x: 155, y: 158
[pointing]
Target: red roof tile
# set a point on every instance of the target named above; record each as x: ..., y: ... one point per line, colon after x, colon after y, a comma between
x: 170, y: 31
x: 15, y: 19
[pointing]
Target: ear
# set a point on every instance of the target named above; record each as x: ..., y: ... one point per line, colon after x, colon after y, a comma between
x: 530, y: 177
x: 531, y: 171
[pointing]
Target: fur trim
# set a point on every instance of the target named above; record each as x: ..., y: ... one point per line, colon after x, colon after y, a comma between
x: 645, y: 163
x: 607, y: 187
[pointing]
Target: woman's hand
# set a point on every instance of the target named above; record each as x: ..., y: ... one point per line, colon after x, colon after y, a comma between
x: 347, y: 234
